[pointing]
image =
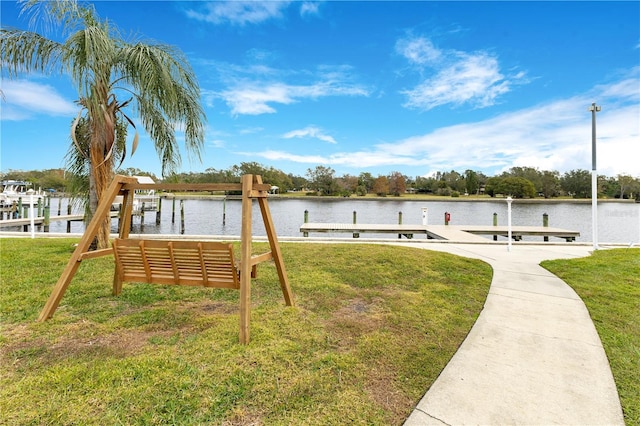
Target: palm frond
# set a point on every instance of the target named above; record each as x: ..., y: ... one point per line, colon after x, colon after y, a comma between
x: 24, y: 52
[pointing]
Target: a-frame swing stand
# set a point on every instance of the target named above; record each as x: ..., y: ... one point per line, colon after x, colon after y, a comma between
x: 209, y: 264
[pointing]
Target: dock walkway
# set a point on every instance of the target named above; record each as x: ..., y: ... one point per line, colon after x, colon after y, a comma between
x: 459, y: 233
x: 40, y: 220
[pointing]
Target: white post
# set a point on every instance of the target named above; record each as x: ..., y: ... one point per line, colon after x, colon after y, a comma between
x: 509, y: 200
x: 594, y: 177
x: 32, y: 213
x: 594, y: 208
x: 425, y: 212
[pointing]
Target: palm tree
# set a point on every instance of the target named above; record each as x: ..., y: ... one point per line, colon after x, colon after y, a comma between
x: 110, y: 74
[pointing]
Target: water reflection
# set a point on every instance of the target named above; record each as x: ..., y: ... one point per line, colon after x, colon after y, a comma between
x: 617, y: 222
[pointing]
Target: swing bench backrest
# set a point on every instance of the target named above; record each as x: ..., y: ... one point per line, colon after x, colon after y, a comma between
x: 195, y: 263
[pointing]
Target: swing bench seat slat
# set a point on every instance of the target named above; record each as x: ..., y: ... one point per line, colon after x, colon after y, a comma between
x: 194, y: 263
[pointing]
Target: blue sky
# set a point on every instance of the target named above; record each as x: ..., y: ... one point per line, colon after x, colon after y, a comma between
x: 414, y: 87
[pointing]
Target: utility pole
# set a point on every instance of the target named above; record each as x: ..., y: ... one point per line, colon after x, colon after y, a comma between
x: 594, y: 177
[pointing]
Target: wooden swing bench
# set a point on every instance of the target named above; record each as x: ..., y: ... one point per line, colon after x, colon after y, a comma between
x: 191, y: 263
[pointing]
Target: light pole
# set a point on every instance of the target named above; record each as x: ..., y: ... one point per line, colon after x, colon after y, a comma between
x: 509, y: 234
x: 594, y: 177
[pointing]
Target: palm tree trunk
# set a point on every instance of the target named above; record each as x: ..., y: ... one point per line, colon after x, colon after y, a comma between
x: 100, y: 177
x: 101, y: 173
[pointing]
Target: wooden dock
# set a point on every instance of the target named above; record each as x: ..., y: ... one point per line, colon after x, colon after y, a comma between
x: 462, y: 233
x: 38, y: 221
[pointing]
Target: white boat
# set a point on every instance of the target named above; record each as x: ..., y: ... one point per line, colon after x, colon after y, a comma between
x: 148, y: 199
x: 14, y: 190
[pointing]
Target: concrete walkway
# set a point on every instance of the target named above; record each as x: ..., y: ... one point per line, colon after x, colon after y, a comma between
x: 533, y: 356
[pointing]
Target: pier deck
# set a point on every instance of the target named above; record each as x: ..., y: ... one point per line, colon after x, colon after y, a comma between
x: 40, y: 220
x: 463, y: 233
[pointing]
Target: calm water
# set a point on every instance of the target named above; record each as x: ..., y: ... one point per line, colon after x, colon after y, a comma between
x: 617, y: 222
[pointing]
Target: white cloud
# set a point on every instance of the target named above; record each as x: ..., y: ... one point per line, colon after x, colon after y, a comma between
x: 23, y: 99
x: 457, y: 77
x: 418, y: 50
x: 309, y: 8
x: 280, y: 155
x: 310, y: 132
x: 239, y: 12
x: 254, y: 98
x: 551, y: 136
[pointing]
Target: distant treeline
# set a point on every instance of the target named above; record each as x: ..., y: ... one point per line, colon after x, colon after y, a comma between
x: 518, y: 182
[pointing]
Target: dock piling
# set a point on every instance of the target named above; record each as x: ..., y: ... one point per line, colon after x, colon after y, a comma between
x: 142, y: 216
x: 159, y: 211
x: 69, y: 214
x: 181, y: 217
x: 306, y: 220
x: 545, y: 223
x: 224, y: 211
x: 355, y: 234
x: 47, y: 218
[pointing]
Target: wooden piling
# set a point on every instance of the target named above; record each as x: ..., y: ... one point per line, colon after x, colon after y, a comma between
x: 47, y: 218
x: 25, y: 215
x: 399, y: 223
x: 355, y: 234
x: 142, y: 216
x: 306, y: 220
x: 158, y: 211
x: 545, y: 223
x: 69, y: 222
x: 495, y: 223
x: 181, y: 217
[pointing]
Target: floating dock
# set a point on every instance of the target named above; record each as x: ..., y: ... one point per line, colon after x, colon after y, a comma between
x: 462, y: 233
x: 38, y: 221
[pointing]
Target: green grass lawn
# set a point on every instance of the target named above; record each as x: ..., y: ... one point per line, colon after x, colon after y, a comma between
x: 609, y: 284
x: 373, y: 327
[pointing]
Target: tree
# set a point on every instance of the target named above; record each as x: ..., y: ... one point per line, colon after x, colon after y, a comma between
x: 347, y: 185
x: 550, y: 182
x: 381, y: 186
x: 627, y: 183
x: 397, y: 184
x: 531, y: 174
x: 471, y: 182
x: 322, y: 180
x: 424, y: 184
x: 110, y: 75
x: 366, y: 179
x: 298, y: 182
x: 577, y: 183
x: 517, y: 187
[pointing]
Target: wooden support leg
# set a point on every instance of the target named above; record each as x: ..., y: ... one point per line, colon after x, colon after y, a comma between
x: 117, y: 283
x: 275, y: 249
x: 245, y: 266
x: 62, y: 284
x: 99, y: 216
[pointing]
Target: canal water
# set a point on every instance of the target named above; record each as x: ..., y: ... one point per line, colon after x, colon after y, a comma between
x: 618, y: 222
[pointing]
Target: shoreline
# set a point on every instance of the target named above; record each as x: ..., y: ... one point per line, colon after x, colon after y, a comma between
x: 428, y: 199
